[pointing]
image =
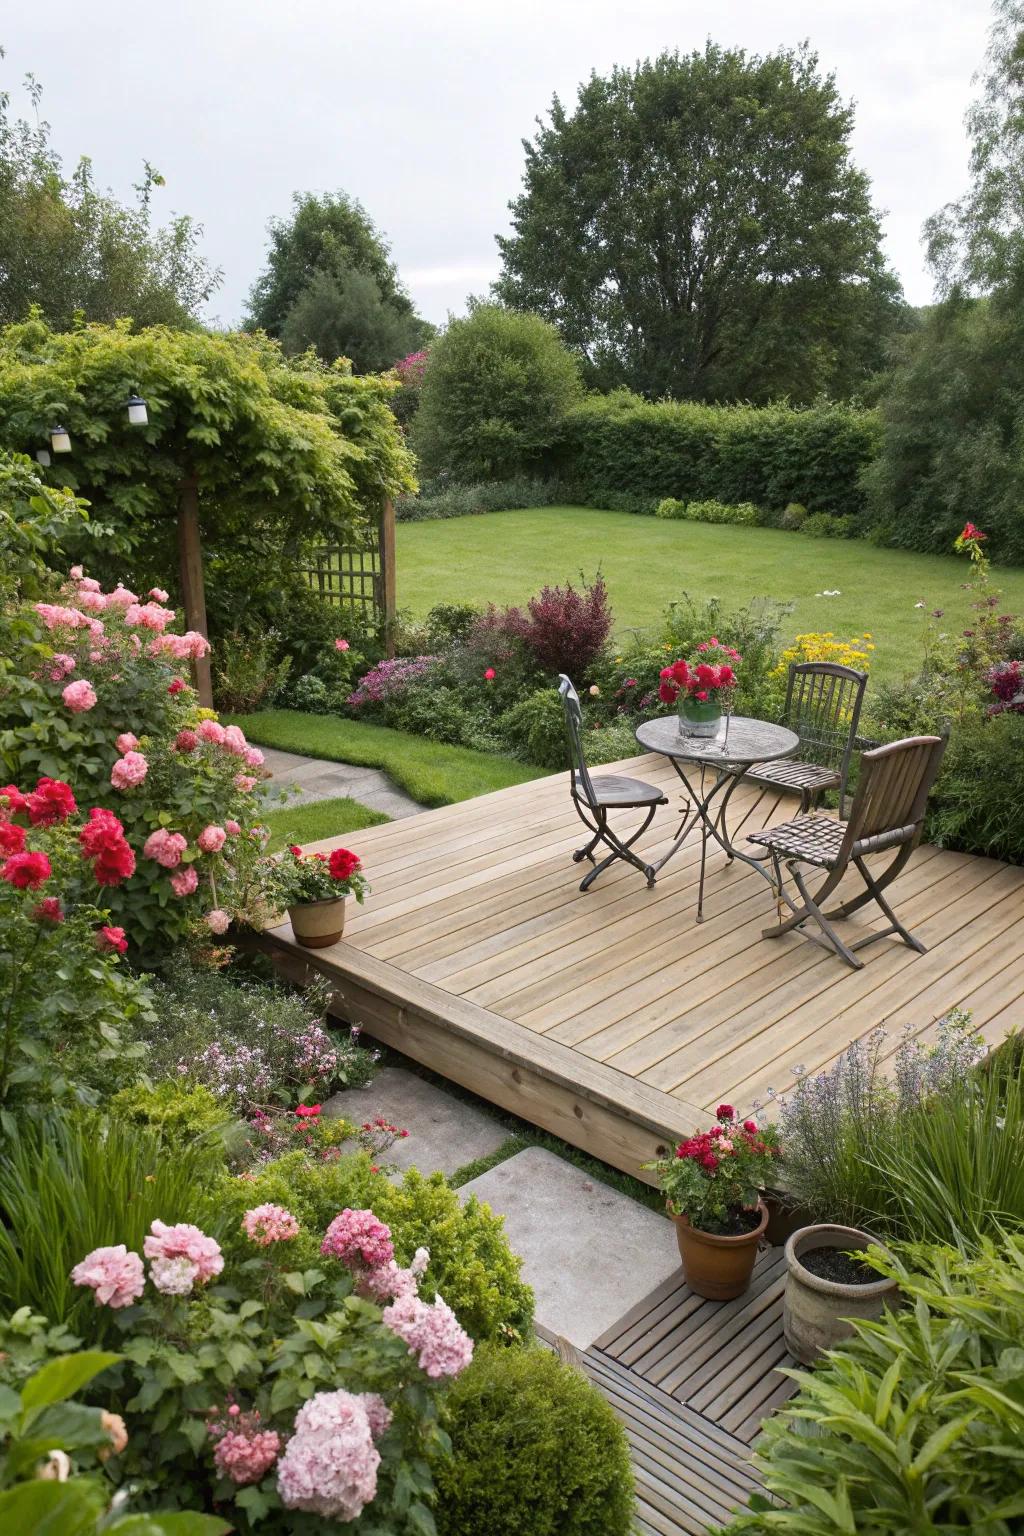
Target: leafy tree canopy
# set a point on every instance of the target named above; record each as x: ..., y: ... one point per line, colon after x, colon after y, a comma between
x: 696, y: 227
x: 330, y: 283
x: 76, y: 251
x: 494, y: 395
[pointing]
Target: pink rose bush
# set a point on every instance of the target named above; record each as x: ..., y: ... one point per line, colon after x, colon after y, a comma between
x: 114, y: 1276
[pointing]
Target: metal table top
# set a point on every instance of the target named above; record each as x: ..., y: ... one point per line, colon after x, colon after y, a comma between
x: 750, y: 741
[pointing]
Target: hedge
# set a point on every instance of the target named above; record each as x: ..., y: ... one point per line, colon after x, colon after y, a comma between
x: 621, y: 446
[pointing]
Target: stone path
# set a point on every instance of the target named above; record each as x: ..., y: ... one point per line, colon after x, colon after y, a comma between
x: 445, y: 1133
x: 317, y: 779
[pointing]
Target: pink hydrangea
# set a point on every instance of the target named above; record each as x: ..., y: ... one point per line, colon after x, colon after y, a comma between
x: 329, y: 1466
x: 185, y: 1241
x: 432, y: 1332
x: 173, y: 1277
x: 234, y: 740
x: 126, y: 742
x: 114, y: 1275
x: 266, y: 1224
x: 165, y: 847
x: 246, y: 1457
x: 61, y: 665
x: 129, y: 771
x: 232, y: 828
x: 359, y: 1240
x: 243, y: 782
x: 186, y: 741
x: 377, y: 1412
x: 185, y: 881
x: 79, y: 696
x: 218, y: 921
x: 254, y: 757
x: 212, y: 730
x: 212, y: 839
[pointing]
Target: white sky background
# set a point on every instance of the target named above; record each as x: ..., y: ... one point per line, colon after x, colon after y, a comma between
x: 417, y: 107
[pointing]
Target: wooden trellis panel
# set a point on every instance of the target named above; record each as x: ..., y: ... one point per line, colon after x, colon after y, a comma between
x: 360, y: 577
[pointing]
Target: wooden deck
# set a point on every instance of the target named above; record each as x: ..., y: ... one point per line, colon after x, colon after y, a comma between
x: 612, y: 1018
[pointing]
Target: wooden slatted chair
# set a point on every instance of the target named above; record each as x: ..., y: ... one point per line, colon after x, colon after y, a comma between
x: 887, y: 813
x: 823, y: 705
x: 595, y: 797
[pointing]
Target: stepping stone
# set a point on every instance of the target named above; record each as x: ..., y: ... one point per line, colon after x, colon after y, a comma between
x: 589, y: 1251
x: 445, y: 1133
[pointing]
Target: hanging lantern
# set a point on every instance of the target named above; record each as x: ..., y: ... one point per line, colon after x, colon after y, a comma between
x: 60, y: 440
x: 43, y: 456
x: 138, y: 416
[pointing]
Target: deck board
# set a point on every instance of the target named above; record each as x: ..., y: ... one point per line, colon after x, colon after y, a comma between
x: 476, y: 946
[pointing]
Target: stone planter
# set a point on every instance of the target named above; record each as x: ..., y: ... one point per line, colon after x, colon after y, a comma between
x: 816, y: 1310
x: 316, y: 924
x: 697, y: 719
x: 719, y: 1267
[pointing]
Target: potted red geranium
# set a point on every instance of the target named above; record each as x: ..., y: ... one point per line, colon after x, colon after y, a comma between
x: 714, y: 1183
x: 696, y: 685
x: 314, y: 888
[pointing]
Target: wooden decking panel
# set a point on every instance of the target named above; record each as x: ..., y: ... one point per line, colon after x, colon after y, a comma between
x: 476, y: 940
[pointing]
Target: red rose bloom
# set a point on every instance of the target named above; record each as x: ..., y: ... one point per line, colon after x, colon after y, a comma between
x: 709, y: 1161
x: 111, y: 940
x: 12, y: 838
x: 176, y: 686
x: 15, y: 799
x: 186, y: 741
x: 26, y: 871
x: 343, y: 863
x: 51, y: 801
x: 294, y: 848
x: 667, y: 692
x: 102, y: 840
x: 49, y: 911
x: 308, y: 1111
x: 750, y: 1126
x: 724, y: 1112
x: 114, y: 864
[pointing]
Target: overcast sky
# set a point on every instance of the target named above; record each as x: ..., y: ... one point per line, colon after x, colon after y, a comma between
x: 418, y: 107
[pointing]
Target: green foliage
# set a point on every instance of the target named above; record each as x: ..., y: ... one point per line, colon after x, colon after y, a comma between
x: 707, y: 511
x: 915, y: 1424
x: 343, y: 313
x: 822, y: 525
x: 733, y: 454
x: 721, y: 243
x: 964, y: 811
x: 182, y: 1113
x: 442, y: 498
x: 76, y: 251
x: 536, y: 1452
x: 494, y: 396
x: 71, y: 1183
x: 248, y: 669
x: 34, y: 523
x: 535, y: 727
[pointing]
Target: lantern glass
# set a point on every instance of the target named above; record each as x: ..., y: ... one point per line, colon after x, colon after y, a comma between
x: 60, y: 440
x: 43, y: 456
x: 138, y: 416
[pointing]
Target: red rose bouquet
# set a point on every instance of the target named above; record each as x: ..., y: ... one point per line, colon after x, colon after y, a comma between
x: 713, y: 1176
x: 703, y: 676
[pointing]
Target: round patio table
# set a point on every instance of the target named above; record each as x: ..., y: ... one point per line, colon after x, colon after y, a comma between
x: 739, y: 744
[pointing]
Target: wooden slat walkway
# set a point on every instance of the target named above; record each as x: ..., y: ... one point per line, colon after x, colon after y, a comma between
x: 612, y: 1018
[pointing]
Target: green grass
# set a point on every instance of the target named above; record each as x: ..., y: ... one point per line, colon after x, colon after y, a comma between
x: 431, y: 773
x: 504, y: 557
x: 318, y: 820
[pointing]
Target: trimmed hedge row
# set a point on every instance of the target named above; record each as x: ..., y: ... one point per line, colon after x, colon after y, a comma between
x: 769, y: 455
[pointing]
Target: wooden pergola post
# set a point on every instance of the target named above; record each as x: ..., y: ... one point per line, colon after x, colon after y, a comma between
x: 193, y: 592
x: 387, y: 573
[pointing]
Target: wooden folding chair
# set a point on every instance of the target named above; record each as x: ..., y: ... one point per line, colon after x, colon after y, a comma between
x: 887, y: 813
x: 595, y: 797
x: 823, y: 705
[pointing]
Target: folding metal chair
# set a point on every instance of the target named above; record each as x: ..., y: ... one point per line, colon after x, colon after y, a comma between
x: 887, y: 813
x: 823, y: 705
x: 595, y: 797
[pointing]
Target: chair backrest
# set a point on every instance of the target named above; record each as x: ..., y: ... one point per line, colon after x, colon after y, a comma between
x: 823, y: 705
x: 574, y: 730
x: 892, y: 791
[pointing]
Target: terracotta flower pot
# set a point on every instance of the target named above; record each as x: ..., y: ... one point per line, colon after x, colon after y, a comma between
x: 719, y: 1267
x: 316, y: 924
x: 697, y: 718
x: 815, y: 1309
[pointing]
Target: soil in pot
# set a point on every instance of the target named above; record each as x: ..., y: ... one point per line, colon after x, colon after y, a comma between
x: 841, y: 1268
x: 826, y: 1289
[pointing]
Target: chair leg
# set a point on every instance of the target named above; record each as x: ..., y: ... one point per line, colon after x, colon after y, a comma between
x: 810, y: 907
x: 875, y: 892
x: 887, y: 876
x: 621, y: 849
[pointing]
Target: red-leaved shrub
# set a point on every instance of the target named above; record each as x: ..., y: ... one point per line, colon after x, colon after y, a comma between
x: 565, y: 629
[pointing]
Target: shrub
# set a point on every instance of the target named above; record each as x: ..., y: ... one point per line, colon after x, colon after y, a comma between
x: 855, y: 652
x: 708, y: 512
x: 449, y: 623
x: 34, y: 519
x: 566, y: 630
x: 767, y: 455
x: 181, y: 1113
x: 915, y: 1423
x: 389, y: 679
x: 248, y: 669
x: 965, y: 810
x: 822, y: 525
x: 535, y: 729
x: 443, y: 498
x: 793, y: 517
x: 494, y: 395
x: 536, y: 1452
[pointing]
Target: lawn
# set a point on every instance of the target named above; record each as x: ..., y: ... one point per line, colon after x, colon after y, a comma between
x: 318, y: 820
x: 430, y: 772
x: 503, y: 557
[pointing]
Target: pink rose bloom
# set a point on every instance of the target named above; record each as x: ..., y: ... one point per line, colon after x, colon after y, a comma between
x: 86, y: 583
x: 165, y: 847
x: 254, y: 757
x: 60, y: 665
x: 126, y: 742
x: 212, y: 730
x: 148, y: 616
x: 77, y: 572
x: 218, y: 921
x: 341, y: 645
x: 246, y: 1457
x: 329, y: 1466
x: 359, y: 1240
x: 158, y: 593
x: 266, y: 1224
x: 114, y: 1275
x: 129, y: 771
x: 184, y: 1241
x: 173, y: 1277
x: 91, y: 602
x: 212, y: 839
x: 79, y: 696
x: 433, y: 1333
x: 121, y: 597
x: 234, y: 740
x: 232, y: 828
x: 243, y: 782
x: 185, y: 881
x: 182, y: 647
x: 186, y: 741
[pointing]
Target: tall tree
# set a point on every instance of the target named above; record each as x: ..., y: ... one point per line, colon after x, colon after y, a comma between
x: 73, y: 250
x: 330, y: 283
x: 696, y: 227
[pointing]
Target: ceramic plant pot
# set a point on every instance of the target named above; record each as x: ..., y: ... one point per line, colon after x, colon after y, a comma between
x: 816, y: 1309
x: 316, y: 924
x: 719, y: 1267
x: 697, y: 719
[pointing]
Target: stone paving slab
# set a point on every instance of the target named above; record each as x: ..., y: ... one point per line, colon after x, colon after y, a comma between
x: 445, y: 1132
x: 312, y: 778
x: 589, y: 1251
